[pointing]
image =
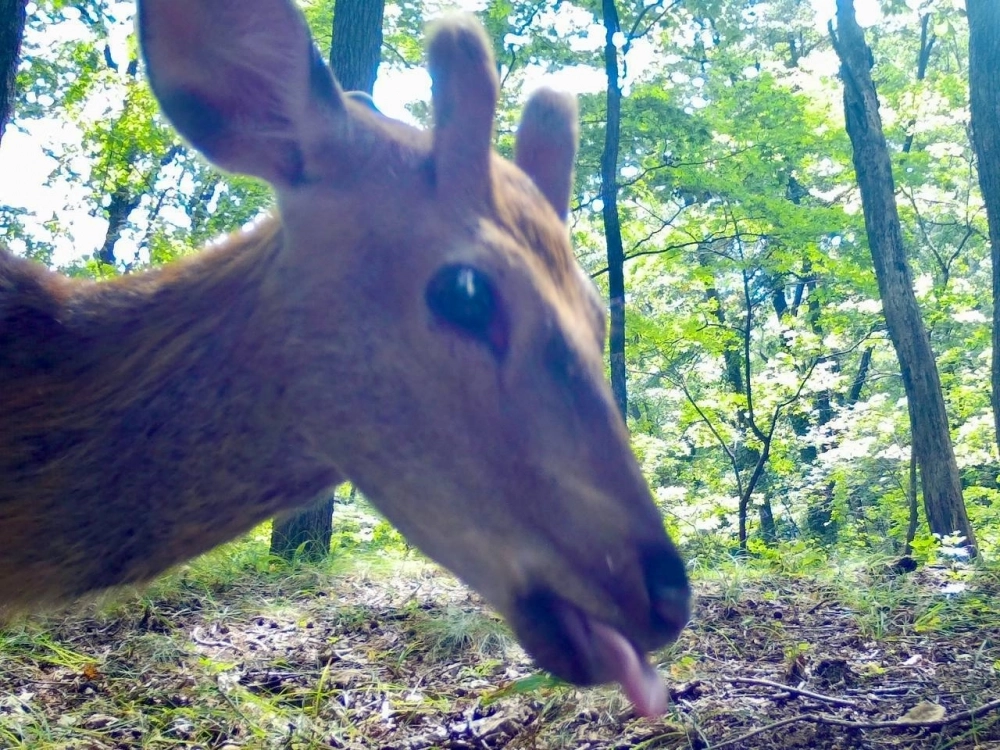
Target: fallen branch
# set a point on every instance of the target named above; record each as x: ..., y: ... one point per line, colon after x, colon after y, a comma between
x: 762, y: 730
x: 815, y: 718
x: 794, y: 690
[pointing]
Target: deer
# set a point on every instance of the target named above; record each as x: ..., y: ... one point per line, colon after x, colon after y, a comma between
x: 410, y: 318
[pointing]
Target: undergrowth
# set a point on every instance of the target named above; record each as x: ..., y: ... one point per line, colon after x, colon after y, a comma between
x: 377, y: 647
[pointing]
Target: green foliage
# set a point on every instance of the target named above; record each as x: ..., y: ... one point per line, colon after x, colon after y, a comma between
x: 754, y: 324
x: 125, y: 164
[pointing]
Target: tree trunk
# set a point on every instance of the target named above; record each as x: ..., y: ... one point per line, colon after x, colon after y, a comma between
x: 120, y: 206
x: 357, y: 43
x: 854, y: 395
x: 750, y: 486
x: 768, y: 529
x: 928, y: 418
x: 609, y: 199
x: 984, y: 102
x: 12, y: 19
x: 306, y: 533
x: 354, y: 57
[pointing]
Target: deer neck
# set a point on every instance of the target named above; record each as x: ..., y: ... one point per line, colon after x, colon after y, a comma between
x: 176, y: 360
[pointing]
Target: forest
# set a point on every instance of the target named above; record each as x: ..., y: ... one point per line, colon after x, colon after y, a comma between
x: 791, y: 209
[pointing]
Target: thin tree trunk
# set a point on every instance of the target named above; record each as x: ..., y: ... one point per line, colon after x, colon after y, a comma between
x: 927, y: 40
x: 768, y: 529
x: 942, y: 487
x: 854, y: 395
x: 984, y: 101
x: 746, y: 457
x: 12, y: 19
x: 354, y: 57
x: 609, y: 199
x: 751, y: 485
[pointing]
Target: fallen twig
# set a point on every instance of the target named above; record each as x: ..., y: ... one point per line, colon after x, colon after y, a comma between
x: 202, y: 641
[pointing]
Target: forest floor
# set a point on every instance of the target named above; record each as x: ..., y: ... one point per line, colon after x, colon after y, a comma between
x: 386, y: 651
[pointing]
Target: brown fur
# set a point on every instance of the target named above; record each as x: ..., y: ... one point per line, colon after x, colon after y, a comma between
x: 146, y: 419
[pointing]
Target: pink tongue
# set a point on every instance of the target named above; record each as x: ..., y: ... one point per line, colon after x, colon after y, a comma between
x: 637, y: 677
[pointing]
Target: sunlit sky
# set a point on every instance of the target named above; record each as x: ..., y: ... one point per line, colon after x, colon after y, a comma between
x: 25, y: 168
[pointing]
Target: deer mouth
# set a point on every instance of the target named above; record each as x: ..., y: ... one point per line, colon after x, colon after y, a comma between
x: 581, y: 649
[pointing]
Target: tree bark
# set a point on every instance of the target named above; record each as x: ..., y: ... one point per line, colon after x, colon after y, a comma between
x: 609, y: 199
x: 984, y: 102
x: 120, y: 206
x: 354, y: 57
x: 942, y: 487
x: 306, y: 533
x: 357, y: 43
x: 13, y: 16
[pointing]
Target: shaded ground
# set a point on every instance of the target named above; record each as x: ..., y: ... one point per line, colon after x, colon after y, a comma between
x: 403, y: 657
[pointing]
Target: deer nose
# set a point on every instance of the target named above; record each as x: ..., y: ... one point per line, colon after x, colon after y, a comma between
x: 669, y: 593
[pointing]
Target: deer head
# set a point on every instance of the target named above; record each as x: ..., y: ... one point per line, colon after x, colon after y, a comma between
x: 415, y: 322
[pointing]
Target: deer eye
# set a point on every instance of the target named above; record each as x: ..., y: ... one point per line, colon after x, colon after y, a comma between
x: 463, y: 297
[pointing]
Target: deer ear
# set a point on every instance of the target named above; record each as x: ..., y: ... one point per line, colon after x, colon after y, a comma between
x: 242, y: 82
x: 465, y: 88
x: 546, y: 145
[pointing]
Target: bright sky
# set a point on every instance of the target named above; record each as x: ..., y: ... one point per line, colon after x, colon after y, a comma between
x: 25, y: 168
